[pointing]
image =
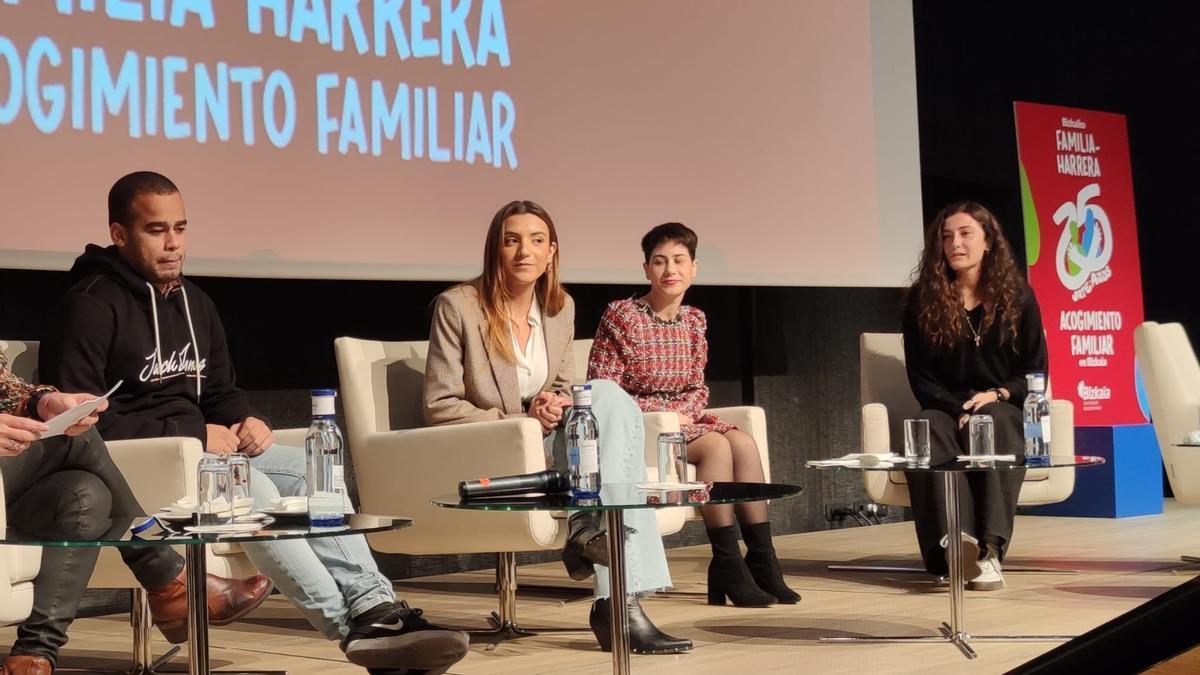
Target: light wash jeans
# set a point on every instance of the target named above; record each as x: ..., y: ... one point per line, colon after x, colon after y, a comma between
x: 622, y: 460
x: 331, y: 579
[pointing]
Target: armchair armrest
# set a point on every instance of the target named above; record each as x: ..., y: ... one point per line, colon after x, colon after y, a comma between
x: 19, y: 566
x: 292, y: 437
x: 1062, y: 427
x: 876, y: 433
x: 400, y: 472
x: 158, y: 470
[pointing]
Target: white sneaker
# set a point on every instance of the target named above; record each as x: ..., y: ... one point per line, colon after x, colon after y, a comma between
x: 990, y: 578
x: 969, y: 556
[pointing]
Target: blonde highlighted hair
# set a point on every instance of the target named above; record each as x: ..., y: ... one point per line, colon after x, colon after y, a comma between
x: 492, y: 286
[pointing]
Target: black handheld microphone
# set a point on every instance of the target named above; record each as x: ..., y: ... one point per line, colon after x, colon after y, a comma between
x: 547, y: 482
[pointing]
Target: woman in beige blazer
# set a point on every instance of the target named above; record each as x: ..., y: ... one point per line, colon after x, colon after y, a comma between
x: 500, y: 346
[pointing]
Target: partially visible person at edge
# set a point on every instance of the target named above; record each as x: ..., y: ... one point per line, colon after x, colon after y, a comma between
x: 656, y: 348
x: 500, y: 347
x: 67, y: 487
x: 132, y: 315
x: 972, y: 331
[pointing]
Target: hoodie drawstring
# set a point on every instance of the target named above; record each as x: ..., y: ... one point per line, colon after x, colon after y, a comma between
x: 157, y: 341
x: 187, y: 311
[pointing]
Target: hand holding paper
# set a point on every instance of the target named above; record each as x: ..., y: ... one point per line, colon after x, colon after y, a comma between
x: 72, y: 414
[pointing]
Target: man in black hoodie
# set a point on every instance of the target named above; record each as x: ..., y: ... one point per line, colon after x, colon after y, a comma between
x: 131, y: 315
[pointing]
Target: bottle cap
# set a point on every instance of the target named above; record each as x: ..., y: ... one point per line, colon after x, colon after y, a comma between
x: 581, y: 395
x: 322, y: 402
x: 1036, y: 381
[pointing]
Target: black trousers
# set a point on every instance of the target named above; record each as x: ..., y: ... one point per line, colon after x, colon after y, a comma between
x: 987, y: 501
x: 68, y: 487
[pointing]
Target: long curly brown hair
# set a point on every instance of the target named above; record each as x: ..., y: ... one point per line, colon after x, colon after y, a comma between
x: 938, y: 300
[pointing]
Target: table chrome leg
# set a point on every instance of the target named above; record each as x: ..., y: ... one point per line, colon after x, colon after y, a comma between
x: 139, y: 620
x: 954, y: 560
x: 618, y: 602
x: 197, y: 601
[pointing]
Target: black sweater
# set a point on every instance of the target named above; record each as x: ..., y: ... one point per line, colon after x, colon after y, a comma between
x: 169, y: 349
x: 944, y: 379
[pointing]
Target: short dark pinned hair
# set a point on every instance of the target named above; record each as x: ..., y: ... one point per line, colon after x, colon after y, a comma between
x: 128, y: 188
x: 677, y: 232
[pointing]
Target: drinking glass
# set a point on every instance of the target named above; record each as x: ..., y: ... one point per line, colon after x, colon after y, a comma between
x: 672, y: 457
x: 982, y: 435
x: 239, y: 467
x: 916, y: 442
x: 214, y: 498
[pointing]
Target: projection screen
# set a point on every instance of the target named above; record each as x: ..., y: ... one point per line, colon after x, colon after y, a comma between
x: 375, y: 139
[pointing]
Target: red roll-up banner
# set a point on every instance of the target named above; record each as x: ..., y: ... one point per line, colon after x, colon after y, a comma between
x: 1082, y: 251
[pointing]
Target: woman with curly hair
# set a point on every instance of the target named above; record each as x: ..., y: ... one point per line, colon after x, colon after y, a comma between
x: 972, y: 331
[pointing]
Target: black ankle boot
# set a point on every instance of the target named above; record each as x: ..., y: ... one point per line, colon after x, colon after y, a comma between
x: 587, y: 545
x: 644, y: 636
x: 764, y: 565
x: 728, y: 574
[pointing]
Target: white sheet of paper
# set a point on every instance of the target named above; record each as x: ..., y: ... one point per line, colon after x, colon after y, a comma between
x: 65, y: 420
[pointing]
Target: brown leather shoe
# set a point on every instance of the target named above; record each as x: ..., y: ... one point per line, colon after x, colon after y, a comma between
x: 228, y: 601
x: 24, y: 664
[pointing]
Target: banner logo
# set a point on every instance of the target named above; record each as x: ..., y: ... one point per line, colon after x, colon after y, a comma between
x: 1085, y: 245
x: 1088, y: 392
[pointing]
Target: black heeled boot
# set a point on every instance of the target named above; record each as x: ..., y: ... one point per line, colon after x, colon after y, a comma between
x: 764, y: 564
x: 644, y: 636
x: 587, y: 545
x: 728, y: 575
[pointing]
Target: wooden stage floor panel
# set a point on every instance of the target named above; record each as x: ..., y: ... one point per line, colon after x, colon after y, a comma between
x: 1120, y: 563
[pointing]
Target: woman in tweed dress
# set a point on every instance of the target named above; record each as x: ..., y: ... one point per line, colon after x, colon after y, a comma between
x: 654, y: 346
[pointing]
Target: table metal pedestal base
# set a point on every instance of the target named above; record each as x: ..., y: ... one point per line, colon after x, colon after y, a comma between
x: 504, y: 623
x: 948, y: 636
x: 954, y: 631
x: 1190, y: 564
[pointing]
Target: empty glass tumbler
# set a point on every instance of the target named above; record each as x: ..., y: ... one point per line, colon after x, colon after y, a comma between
x: 982, y: 435
x: 214, y: 496
x: 672, y: 457
x: 916, y: 442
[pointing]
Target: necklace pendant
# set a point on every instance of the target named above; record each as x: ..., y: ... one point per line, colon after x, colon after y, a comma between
x: 977, y: 339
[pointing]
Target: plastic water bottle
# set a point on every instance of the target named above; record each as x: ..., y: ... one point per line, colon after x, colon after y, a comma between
x: 583, y: 445
x: 323, y: 449
x: 1037, y: 421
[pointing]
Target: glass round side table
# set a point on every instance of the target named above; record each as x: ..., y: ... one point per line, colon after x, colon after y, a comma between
x: 954, y: 631
x: 116, y: 533
x: 615, y: 499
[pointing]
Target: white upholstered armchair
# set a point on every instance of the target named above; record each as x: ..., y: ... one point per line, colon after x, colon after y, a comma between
x: 401, y: 466
x: 887, y: 400
x: 1171, y: 375
x: 1172, y: 379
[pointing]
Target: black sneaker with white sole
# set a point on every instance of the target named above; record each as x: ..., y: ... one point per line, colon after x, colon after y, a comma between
x: 402, y: 640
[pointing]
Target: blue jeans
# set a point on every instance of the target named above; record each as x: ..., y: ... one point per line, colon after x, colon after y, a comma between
x: 330, y: 580
x: 622, y: 460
